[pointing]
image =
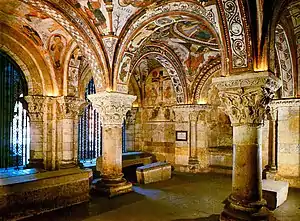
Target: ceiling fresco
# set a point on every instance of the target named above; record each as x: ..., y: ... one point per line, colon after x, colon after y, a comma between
x: 35, y: 25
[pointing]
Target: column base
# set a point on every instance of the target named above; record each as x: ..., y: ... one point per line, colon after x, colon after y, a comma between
x: 110, y: 187
x: 67, y: 165
x: 269, y: 173
x: 35, y: 163
x: 235, y: 211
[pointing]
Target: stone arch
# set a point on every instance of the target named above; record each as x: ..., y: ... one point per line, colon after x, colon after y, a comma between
x: 169, y: 61
x: 145, y: 17
x: 65, y: 15
x: 31, y: 62
x: 68, y: 58
x: 283, y: 16
x: 202, y: 77
x: 284, y: 55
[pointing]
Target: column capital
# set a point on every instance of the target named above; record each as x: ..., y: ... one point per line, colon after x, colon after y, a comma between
x: 112, y: 107
x: 187, y: 112
x: 37, y: 106
x: 245, y: 97
x: 68, y: 107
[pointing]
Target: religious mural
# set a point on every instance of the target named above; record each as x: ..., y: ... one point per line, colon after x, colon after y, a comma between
x: 193, y: 42
x: 56, y: 47
x: 96, y: 12
x: 159, y: 89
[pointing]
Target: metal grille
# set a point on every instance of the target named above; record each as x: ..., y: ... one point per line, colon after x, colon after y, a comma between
x: 14, y: 119
x: 124, y: 137
x: 90, y: 131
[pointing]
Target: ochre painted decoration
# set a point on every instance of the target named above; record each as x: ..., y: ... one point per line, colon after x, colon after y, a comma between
x: 33, y: 35
x: 124, y: 69
x: 56, y: 48
x: 285, y: 62
x: 136, y: 3
x: 159, y: 88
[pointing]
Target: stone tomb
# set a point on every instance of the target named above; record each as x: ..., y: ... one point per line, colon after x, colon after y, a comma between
x: 153, y: 172
x: 274, y: 192
x: 34, y: 193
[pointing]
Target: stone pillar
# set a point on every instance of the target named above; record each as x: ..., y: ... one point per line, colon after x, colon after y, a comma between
x: 244, y: 98
x: 272, y: 164
x: 112, y: 108
x: 37, y: 110
x: 193, y: 157
x: 67, y: 131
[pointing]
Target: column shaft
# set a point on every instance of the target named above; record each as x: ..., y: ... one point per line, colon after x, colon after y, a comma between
x: 246, y: 182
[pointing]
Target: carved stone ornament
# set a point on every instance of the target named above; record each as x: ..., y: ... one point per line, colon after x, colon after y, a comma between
x: 245, y: 97
x: 37, y: 106
x: 68, y: 107
x: 182, y: 112
x: 112, y: 107
x: 293, y: 102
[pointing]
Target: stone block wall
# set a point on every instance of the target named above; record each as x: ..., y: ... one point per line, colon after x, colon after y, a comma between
x: 289, y: 143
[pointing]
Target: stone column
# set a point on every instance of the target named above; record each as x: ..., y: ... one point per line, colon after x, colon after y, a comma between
x: 112, y: 108
x: 193, y: 157
x: 67, y: 130
x: 244, y: 98
x: 272, y: 165
x: 37, y: 110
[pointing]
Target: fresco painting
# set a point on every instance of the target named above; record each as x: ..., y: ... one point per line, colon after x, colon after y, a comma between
x: 37, y: 26
x: 192, y: 41
x: 124, y: 69
x: 96, y: 12
x: 56, y: 48
x: 159, y: 88
x: 136, y: 3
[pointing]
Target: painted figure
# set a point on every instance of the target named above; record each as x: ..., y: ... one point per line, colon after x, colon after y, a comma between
x: 94, y: 12
x: 56, y: 49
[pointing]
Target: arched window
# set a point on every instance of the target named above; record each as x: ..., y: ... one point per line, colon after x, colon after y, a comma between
x: 90, y: 131
x: 14, y: 119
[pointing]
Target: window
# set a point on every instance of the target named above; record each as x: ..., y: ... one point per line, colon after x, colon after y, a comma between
x: 14, y: 119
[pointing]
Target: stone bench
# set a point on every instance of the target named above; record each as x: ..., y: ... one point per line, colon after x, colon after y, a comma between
x: 153, y: 172
x: 35, y: 193
x: 274, y: 192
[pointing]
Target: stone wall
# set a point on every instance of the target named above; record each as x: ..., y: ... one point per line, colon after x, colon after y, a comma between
x: 208, y: 144
x: 289, y: 144
x: 209, y: 139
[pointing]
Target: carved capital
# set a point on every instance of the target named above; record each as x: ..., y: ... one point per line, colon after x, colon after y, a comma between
x: 68, y: 107
x: 193, y: 116
x: 37, y: 107
x: 245, y: 97
x: 248, y: 80
x: 189, y: 112
x: 112, y: 107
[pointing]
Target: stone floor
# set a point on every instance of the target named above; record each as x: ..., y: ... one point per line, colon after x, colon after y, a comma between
x: 186, y: 197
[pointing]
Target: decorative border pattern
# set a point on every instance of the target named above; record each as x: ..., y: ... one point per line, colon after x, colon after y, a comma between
x: 236, y: 32
x: 285, y: 103
x: 285, y: 61
x: 170, y: 7
x: 168, y: 60
x: 72, y: 30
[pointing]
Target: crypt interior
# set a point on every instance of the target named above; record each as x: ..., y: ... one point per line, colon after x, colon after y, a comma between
x: 150, y: 110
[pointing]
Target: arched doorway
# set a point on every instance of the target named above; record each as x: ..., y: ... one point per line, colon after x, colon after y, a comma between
x: 14, y: 119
